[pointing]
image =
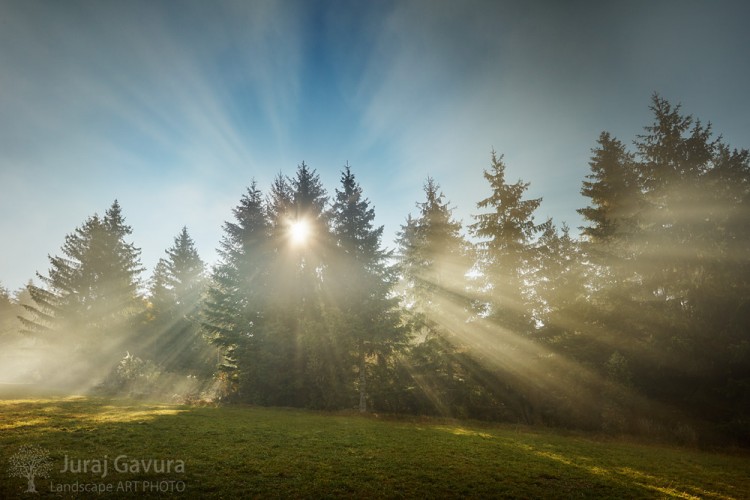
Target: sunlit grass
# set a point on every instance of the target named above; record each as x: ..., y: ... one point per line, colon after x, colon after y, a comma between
x: 232, y: 452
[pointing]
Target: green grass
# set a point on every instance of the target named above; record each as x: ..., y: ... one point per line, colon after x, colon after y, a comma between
x: 232, y: 452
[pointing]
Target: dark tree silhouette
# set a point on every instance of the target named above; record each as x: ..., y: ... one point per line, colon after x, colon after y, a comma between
x: 671, y: 286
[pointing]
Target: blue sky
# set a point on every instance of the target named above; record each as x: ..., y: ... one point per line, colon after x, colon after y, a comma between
x: 173, y: 107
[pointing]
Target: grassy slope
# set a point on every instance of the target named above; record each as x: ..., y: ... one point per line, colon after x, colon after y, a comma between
x: 233, y: 452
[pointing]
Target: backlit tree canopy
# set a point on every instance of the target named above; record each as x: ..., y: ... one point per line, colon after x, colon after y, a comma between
x: 91, y: 292
x: 641, y: 317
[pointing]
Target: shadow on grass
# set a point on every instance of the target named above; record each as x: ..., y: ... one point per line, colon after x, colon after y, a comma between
x: 235, y: 452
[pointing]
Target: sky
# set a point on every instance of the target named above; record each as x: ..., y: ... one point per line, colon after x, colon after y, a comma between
x: 173, y: 107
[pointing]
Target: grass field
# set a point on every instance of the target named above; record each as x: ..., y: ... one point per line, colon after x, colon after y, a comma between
x: 237, y: 452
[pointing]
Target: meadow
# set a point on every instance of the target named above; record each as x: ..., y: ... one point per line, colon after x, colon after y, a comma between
x: 241, y: 451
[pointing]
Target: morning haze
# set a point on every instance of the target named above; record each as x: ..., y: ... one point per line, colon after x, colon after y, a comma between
x: 319, y: 248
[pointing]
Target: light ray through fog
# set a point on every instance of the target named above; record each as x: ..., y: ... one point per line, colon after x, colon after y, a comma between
x: 523, y: 364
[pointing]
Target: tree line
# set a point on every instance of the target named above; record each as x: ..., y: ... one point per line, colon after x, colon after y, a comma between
x: 639, y: 324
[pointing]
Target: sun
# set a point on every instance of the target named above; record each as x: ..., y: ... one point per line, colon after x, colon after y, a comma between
x: 299, y: 232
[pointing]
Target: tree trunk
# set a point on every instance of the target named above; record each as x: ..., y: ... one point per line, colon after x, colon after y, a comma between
x: 30, y: 486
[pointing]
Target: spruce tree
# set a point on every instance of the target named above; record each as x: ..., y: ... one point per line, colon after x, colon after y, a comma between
x: 294, y: 203
x: 614, y: 189
x: 309, y: 199
x: 90, y: 297
x: 688, y: 282
x: 610, y: 241
x: 675, y: 155
x: 233, y: 312
x: 279, y: 205
x: 319, y: 368
x: 434, y: 255
x: 560, y: 280
x: 175, y: 294
x: 667, y: 229
x: 506, y: 233
x: 434, y: 260
x: 362, y: 282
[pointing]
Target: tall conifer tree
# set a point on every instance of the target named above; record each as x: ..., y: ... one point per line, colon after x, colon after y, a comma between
x: 175, y: 295
x: 90, y: 296
x: 507, y: 233
x: 234, y: 309
x: 363, y: 281
x: 434, y: 260
x: 434, y: 255
x: 614, y: 189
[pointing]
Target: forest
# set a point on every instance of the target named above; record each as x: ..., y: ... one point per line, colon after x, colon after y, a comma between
x: 638, y: 323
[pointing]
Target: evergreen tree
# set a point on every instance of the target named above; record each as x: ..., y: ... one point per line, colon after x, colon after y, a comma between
x: 309, y: 200
x: 175, y: 294
x: 279, y: 205
x: 434, y: 256
x: 688, y: 283
x: 614, y: 188
x: 308, y: 195
x: 506, y: 236
x: 364, y: 288
x: 161, y: 298
x: 559, y: 281
x: 126, y: 267
x: 319, y: 355
x: 667, y: 228
x: 675, y: 155
x: 297, y: 205
x: 504, y: 301
x: 90, y: 296
x: 434, y: 260
x: 266, y: 307
x: 610, y: 244
x: 233, y: 311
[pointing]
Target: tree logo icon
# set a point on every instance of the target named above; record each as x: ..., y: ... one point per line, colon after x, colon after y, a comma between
x: 30, y: 462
